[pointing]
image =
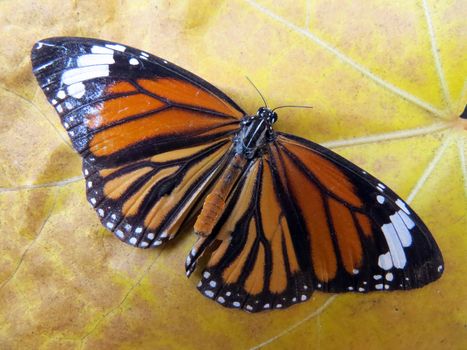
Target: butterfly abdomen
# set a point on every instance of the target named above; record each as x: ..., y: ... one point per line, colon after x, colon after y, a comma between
x: 214, y: 203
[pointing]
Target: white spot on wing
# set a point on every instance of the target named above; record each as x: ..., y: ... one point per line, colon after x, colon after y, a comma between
x: 206, y: 274
x: 379, y: 286
x: 402, y: 205
x: 133, y: 240
x: 209, y: 293
x: 92, y: 60
x: 385, y: 261
x: 395, y: 246
x: 117, y: 47
x: 221, y: 300
x: 151, y: 236
x: 389, y: 276
x: 77, y: 75
x: 133, y: 61
x: 380, y: 199
x: 407, y: 220
x: 401, y: 229
x: 61, y: 94
x: 100, y: 49
x: 119, y: 233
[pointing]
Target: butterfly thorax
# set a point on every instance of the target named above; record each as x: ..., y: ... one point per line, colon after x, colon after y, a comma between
x: 255, y: 133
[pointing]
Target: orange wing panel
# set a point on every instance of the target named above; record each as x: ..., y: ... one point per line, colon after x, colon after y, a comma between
x: 326, y: 172
x: 174, y: 122
x: 182, y: 92
x: 347, y: 236
x: 311, y: 206
x: 121, y: 108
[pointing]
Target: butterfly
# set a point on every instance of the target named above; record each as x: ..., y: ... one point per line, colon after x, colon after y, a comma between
x: 278, y: 216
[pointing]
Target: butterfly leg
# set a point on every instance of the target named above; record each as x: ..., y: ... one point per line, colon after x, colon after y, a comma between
x: 214, y: 203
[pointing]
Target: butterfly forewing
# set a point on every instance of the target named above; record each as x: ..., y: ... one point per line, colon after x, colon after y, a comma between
x: 152, y: 135
x: 374, y: 239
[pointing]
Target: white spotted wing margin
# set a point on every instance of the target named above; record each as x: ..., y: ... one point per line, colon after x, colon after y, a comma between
x: 246, y: 264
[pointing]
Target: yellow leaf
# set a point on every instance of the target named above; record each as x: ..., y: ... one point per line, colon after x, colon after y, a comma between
x: 386, y: 80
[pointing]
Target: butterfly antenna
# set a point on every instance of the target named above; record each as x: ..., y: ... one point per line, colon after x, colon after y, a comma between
x: 259, y: 92
x: 292, y: 106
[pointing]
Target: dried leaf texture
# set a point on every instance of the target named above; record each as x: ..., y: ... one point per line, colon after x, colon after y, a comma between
x: 387, y: 83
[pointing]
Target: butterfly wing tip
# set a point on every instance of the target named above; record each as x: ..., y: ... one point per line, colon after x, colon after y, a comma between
x: 190, y: 267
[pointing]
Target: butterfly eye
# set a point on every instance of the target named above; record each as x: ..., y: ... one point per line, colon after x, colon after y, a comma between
x: 273, y: 118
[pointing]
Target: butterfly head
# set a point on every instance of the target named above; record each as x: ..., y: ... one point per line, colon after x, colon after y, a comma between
x: 267, y: 114
x: 256, y: 132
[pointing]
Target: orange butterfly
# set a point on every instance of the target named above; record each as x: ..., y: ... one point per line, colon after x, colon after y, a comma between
x: 282, y: 216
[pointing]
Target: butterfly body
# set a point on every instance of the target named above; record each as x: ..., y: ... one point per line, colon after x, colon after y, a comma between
x: 281, y: 216
x: 255, y: 133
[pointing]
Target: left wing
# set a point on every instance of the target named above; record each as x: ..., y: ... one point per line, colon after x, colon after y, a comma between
x: 151, y: 134
x: 303, y: 218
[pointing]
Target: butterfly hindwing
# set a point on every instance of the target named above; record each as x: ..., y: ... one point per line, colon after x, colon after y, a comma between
x: 303, y: 219
x: 254, y: 265
x: 151, y: 134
